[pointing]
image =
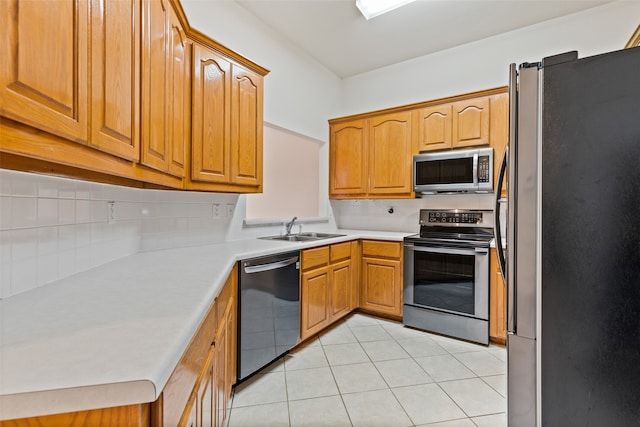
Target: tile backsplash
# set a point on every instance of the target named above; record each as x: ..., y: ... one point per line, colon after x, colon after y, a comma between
x: 374, y: 214
x: 51, y: 227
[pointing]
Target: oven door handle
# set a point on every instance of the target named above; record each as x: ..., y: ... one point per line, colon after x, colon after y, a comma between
x: 456, y: 251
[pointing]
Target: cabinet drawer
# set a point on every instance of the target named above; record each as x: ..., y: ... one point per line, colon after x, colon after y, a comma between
x: 381, y: 249
x: 316, y: 257
x: 340, y: 251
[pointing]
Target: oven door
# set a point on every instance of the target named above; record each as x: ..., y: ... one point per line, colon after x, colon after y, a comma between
x: 453, y: 280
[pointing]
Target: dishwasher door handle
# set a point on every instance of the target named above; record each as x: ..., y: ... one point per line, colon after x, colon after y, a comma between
x: 271, y: 266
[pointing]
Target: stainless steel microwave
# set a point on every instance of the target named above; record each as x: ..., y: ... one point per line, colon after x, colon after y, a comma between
x: 454, y: 171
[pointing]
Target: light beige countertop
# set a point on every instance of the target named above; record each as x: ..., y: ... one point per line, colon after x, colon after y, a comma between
x: 112, y: 335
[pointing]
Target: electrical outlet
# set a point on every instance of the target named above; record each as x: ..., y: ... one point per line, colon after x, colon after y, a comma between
x: 230, y: 209
x: 216, y: 210
x: 111, y: 212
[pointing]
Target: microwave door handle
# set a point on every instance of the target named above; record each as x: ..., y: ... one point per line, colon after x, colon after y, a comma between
x: 496, y: 223
x: 475, y: 169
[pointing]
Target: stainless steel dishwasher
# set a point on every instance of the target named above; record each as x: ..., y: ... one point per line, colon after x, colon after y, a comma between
x: 269, y: 310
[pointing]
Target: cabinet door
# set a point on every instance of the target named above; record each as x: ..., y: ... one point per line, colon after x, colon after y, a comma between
x: 348, y: 158
x: 155, y: 53
x: 246, y: 127
x: 390, y: 154
x: 497, y: 303
x: 314, y: 304
x: 179, y: 107
x: 43, y: 76
x: 210, y: 161
x: 190, y: 417
x: 115, y: 77
x: 341, y: 289
x: 499, y: 133
x: 470, y: 122
x: 381, y: 287
x: 206, y: 412
x: 219, y: 386
x: 231, y: 343
x: 434, y: 128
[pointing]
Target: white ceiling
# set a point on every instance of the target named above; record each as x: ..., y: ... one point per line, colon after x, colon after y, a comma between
x: 337, y: 35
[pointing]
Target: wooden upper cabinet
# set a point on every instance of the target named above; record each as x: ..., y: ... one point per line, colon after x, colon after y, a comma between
x: 454, y: 125
x: 390, y: 154
x: 371, y: 157
x: 48, y: 71
x: 227, y: 123
x: 246, y: 127
x: 43, y: 71
x: 210, y: 161
x: 115, y: 77
x: 434, y: 124
x: 470, y: 120
x: 348, y: 173
x: 155, y: 52
x: 118, y: 79
x: 179, y: 87
x: 164, y: 86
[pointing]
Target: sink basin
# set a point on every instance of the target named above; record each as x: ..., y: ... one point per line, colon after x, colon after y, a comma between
x: 302, y: 237
x: 315, y: 235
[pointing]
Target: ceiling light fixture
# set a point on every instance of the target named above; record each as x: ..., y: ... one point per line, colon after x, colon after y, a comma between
x: 372, y: 8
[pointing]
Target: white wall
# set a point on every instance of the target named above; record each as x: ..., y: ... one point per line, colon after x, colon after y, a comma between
x: 291, y: 186
x: 484, y: 64
x: 475, y: 66
x: 300, y: 94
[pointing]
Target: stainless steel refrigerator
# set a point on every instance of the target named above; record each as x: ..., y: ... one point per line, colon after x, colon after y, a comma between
x: 572, y: 256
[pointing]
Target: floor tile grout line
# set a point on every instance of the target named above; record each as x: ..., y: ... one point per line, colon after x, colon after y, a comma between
x: 379, y: 373
x: 413, y: 423
x: 338, y: 387
x: 370, y: 360
x: 286, y: 393
x: 492, y: 387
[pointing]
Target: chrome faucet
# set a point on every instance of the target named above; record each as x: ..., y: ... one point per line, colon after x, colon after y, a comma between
x: 289, y: 225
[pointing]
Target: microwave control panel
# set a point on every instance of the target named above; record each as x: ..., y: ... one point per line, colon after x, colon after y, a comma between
x: 484, y: 169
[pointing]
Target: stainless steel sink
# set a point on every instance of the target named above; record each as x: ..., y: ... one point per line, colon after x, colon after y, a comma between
x: 316, y: 235
x: 303, y: 237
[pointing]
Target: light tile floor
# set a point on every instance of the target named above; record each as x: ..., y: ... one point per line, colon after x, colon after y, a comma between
x: 373, y: 372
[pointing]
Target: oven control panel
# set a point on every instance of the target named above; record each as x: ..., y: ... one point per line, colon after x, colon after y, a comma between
x: 451, y: 217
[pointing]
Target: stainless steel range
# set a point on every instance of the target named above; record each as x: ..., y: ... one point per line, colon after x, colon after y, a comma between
x: 446, y: 274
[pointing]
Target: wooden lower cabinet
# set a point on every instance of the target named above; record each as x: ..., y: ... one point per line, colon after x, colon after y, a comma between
x: 314, y: 301
x: 197, y: 393
x: 341, y: 289
x: 497, y: 303
x: 328, y: 286
x: 381, y: 280
x: 121, y: 416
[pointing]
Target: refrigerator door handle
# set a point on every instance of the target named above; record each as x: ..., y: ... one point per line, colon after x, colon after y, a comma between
x: 511, y: 186
x: 500, y: 249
